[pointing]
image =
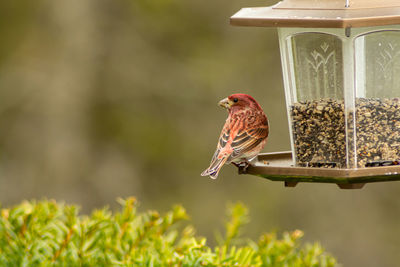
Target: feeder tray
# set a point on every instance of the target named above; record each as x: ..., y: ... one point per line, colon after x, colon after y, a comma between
x: 278, y: 166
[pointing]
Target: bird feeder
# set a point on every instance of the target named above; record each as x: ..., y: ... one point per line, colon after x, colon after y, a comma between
x: 341, y: 73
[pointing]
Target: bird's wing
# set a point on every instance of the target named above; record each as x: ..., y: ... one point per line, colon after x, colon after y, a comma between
x: 223, y: 152
x: 224, y: 138
x: 246, y: 140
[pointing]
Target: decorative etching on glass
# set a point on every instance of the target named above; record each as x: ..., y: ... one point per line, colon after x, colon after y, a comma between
x: 382, y: 50
x: 317, y: 61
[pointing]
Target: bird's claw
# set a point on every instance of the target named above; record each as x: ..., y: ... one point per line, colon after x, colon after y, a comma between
x: 242, y: 166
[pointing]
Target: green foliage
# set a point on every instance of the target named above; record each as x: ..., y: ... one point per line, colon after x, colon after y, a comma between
x: 49, y: 233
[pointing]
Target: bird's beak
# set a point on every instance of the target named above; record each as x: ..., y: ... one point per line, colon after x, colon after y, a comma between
x: 225, y: 103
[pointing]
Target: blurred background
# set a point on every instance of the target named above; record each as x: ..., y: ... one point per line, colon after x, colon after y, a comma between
x: 102, y: 99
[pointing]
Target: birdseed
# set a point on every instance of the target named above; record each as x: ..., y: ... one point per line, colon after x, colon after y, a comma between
x: 320, y: 134
x: 378, y: 131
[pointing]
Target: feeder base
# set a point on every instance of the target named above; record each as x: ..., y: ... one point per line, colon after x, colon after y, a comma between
x: 278, y: 166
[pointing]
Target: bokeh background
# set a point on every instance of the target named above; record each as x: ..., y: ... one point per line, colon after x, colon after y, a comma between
x: 102, y: 99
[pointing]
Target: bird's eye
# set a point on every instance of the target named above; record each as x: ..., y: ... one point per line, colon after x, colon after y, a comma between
x: 235, y: 100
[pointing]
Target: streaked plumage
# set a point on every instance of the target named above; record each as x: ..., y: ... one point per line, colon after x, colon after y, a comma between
x: 243, y: 136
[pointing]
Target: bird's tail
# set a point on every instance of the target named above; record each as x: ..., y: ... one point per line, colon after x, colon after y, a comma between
x: 214, y: 168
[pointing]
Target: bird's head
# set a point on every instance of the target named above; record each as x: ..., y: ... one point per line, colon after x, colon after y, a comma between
x: 239, y: 101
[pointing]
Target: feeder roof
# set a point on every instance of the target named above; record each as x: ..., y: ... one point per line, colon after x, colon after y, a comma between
x: 321, y: 14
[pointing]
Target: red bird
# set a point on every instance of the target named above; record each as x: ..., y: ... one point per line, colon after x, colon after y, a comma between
x: 244, y: 134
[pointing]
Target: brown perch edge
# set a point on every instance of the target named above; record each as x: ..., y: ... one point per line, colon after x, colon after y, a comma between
x: 278, y: 166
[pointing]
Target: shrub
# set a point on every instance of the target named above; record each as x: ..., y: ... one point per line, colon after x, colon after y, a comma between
x: 50, y: 233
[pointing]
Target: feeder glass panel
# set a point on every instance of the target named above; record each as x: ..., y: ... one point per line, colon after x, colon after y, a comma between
x: 317, y: 66
x: 377, y: 62
x: 316, y: 105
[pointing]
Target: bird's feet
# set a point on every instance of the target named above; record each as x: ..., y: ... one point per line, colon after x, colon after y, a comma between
x: 242, y: 166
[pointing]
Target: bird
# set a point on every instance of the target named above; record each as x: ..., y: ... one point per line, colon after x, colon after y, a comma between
x: 243, y: 136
